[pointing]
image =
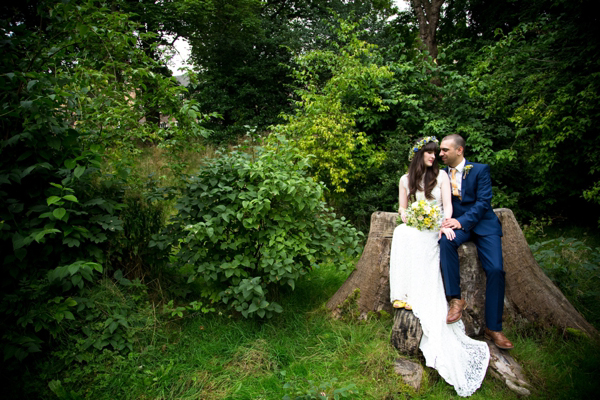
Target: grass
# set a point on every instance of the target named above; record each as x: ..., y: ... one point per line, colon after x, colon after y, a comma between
x: 303, y: 350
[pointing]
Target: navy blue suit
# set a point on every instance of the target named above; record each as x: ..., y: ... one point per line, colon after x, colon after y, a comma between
x: 481, y: 226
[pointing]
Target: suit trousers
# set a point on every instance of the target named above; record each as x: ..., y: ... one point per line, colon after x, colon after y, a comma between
x: 489, y: 249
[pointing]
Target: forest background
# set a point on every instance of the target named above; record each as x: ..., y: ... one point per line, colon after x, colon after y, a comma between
x: 135, y: 208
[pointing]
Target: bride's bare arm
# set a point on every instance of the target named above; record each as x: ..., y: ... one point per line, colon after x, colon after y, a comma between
x: 447, y: 203
x: 403, y: 200
x: 446, y: 195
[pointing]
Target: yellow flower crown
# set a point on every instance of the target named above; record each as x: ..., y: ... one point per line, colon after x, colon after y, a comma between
x: 419, y: 145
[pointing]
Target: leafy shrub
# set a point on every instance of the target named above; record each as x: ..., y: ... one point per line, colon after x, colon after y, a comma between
x: 249, y: 223
x: 52, y: 240
x: 59, y: 213
x: 111, y: 314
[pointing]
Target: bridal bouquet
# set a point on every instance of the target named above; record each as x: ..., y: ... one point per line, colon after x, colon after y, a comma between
x: 423, y: 215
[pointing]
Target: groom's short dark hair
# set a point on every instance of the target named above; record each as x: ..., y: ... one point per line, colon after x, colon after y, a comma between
x: 457, y: 139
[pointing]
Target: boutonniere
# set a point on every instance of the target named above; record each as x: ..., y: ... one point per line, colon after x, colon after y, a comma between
x: 467, y: 169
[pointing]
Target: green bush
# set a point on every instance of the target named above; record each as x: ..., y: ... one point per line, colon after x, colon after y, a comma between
x: 250, y: 223
x: 60, y: 215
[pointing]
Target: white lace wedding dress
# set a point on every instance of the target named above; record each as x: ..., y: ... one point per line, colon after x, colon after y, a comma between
x: 415, y: 277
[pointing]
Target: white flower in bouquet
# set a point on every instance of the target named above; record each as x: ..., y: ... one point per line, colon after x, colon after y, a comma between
x: 423, y: 215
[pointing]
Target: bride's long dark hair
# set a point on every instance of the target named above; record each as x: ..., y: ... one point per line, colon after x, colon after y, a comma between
x: 417, y: 169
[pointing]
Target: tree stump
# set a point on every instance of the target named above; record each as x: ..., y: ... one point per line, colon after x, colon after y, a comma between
x: 372, y: 272
x: 406, y: 332
x: 530, y: 294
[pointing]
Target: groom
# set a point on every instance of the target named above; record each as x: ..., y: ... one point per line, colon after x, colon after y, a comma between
x: 472, y: 219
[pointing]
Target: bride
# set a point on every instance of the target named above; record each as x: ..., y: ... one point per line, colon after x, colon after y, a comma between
x: 416, y: 281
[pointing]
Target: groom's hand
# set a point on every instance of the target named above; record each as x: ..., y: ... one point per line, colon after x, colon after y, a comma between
x: 451, y: 223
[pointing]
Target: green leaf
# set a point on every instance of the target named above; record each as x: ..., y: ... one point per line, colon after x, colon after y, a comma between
x: 52, y: 200
x: 70, y: 302
x: 277, y: 308
x: 77, y: 281
x: 73, y: 268
x: 28, y: 170
x: 71, y: 242
x: 79, y: 170
x: 39, y: 236
x: 70, y: 197
x: 59, y: 213
x: 15, y: 208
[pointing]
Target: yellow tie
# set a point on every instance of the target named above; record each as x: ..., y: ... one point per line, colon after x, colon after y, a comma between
x: 454, y: 184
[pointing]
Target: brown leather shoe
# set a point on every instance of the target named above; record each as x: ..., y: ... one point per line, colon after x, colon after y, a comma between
x: 499, y: 339
x: 455, y: 312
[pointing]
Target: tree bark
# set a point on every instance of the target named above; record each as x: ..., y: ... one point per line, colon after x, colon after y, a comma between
x: 428, y: 15
x: 406, y: 332
x: 530, y: 294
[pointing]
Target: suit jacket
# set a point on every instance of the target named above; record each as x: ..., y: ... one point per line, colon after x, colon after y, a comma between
x: 474, y: 211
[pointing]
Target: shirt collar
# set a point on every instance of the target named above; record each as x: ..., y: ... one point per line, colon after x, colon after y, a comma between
x: 461, y: 166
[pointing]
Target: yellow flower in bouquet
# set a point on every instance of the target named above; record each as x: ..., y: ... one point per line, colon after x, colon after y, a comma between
x: 423, y: 215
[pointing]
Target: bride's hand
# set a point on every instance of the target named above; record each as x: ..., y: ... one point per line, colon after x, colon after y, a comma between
x: 403, y: 216
x: 450, y: 235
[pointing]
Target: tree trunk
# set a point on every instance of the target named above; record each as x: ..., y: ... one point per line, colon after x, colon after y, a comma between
x: 428, y: 15
x: 530, y: 294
